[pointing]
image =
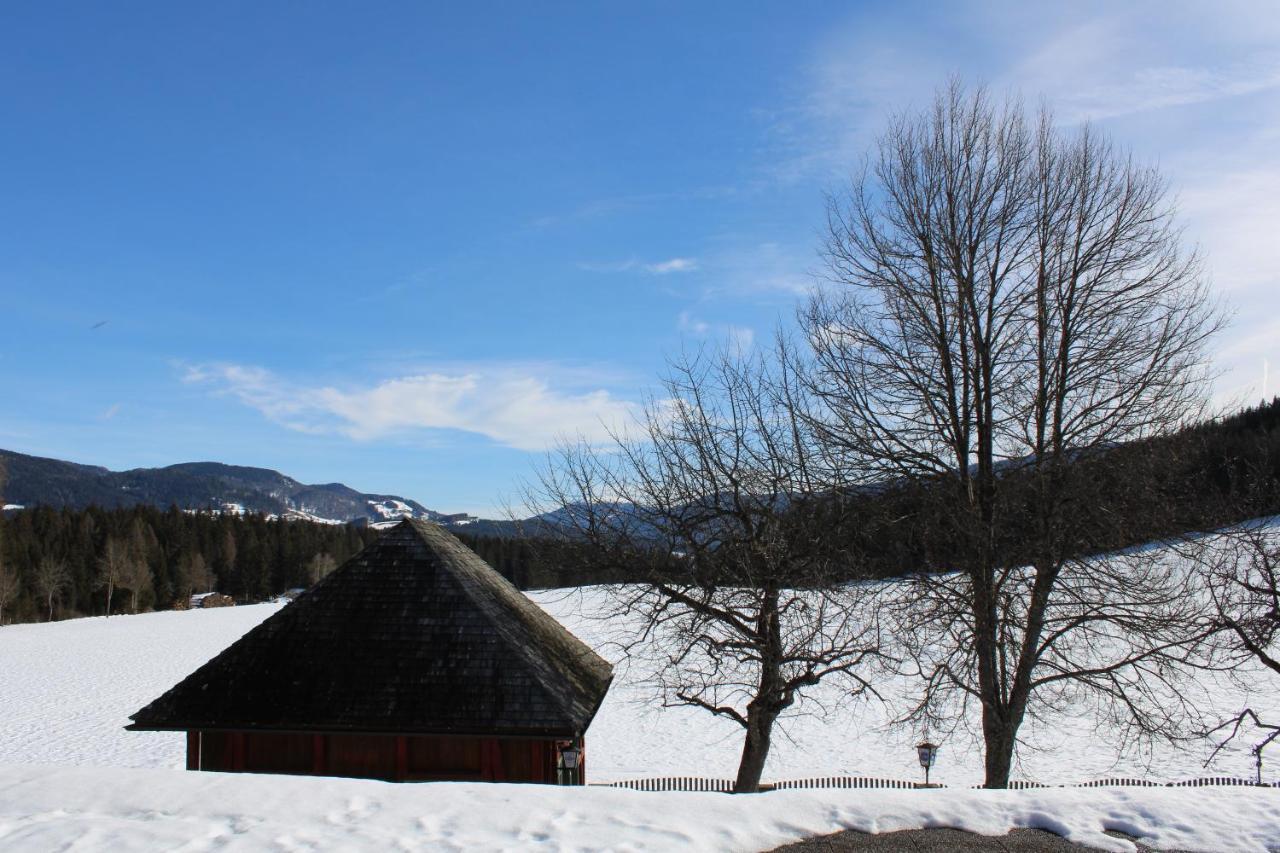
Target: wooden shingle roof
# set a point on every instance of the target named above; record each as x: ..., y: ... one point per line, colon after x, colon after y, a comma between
x: 415, y: 634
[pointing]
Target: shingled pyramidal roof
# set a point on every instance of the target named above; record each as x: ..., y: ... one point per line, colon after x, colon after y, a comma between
x: 415, y: 634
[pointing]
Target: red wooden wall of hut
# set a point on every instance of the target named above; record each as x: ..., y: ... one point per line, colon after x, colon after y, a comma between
x: 394, y: 758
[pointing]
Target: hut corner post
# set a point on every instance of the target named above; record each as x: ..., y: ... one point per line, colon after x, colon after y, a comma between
x: 193, y: 750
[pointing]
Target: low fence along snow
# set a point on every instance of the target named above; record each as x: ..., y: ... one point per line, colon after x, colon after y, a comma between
x: 725, y: 786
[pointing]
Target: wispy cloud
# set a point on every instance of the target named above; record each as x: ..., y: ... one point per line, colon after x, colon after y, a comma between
x: 760, y: 270
x: 520, y: 406
x: 671, y: 265
x: 738, y: 338
x: 111, y: 412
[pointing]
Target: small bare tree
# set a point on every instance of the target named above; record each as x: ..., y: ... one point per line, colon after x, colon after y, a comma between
x: 198, y: 576
x: 113, y: 566
x: 1008, y: 296
x: 51, y: 578
x: 719, y: 504
x: 320, y: 567
x: 136, y: 577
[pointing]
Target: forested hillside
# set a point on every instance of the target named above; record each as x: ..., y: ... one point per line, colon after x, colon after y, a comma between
x: 1207, y: 476
x: 60, y: 556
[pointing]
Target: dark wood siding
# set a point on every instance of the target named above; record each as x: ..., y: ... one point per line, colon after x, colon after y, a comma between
x: 216, y: 752
x: 362, y: 756
x: 389, y: 757
x: 266, y: 752
x: 443, y: 758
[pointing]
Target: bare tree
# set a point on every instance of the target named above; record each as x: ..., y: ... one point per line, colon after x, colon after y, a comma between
x: 198, y: 576
x: 717, y: 504
x: 51, y: 578
x: 1010, y: 296
x: 1240, y: 567
x: 320, y: 567
x: 113, y: 566
x: 136, y: 577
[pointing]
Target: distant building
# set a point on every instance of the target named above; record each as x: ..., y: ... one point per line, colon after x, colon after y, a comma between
x: 414, y: 660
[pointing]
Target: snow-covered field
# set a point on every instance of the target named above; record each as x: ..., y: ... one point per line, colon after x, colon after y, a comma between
x: 66, y: 690
x: 146, y: 810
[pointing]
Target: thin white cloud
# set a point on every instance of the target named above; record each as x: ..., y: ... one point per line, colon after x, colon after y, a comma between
x: 741, y: 338
x: 517, y: 406
x: 111, y: 411
x: 760, y: 270
x: 738, y: 338
x: 671, y: 265
x: 689, y: 324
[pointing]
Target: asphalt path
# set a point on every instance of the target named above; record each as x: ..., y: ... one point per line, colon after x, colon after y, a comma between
x: 943, y: 841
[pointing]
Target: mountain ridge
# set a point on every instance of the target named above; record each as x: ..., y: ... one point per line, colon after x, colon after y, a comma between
x: 204, y: 485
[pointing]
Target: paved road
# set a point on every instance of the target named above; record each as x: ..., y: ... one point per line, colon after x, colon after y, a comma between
x: 939, y: 841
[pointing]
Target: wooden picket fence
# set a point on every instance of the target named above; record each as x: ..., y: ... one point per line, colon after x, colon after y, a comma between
x: 1119, y: 783
x: 1220, y: 780
x: 674, y: 783
x: 841, y: 782
x: 725, y: 786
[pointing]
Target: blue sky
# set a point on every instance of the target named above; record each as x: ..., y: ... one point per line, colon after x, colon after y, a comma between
x: 405, y: 246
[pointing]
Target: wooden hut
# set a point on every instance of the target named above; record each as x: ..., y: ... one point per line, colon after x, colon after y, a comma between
x: 414, y: 660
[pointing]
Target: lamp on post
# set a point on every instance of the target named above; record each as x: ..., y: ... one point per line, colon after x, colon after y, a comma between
x: 927, y: 753
x: 567, y: 762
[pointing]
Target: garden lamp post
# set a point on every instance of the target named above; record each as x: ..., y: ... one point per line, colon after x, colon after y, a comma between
x: 927, y: 753
x: 570, y: 754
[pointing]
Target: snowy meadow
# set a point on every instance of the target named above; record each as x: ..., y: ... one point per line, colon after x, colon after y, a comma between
x: 70, y: 773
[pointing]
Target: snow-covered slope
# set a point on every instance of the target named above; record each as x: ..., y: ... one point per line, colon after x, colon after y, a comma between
x: 68, y: 688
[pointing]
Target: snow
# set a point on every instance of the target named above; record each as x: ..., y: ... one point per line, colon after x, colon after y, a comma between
x: 8, y: 507
x: 68, y: 688
x: 44, y: 808
x: 392, y: 509
x: 305, y: 514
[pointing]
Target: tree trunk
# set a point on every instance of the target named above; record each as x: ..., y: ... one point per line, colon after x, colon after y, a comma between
x: 998, y: 735
x: 110, y: 590
x: 50, y: 608
x: 755, y: 750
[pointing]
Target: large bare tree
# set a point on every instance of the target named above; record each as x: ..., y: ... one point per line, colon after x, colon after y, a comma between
x: 1007, y: 295
x: 718, y: 505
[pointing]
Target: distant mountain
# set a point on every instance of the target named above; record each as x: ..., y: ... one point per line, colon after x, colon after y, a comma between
x: 34, y: 480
